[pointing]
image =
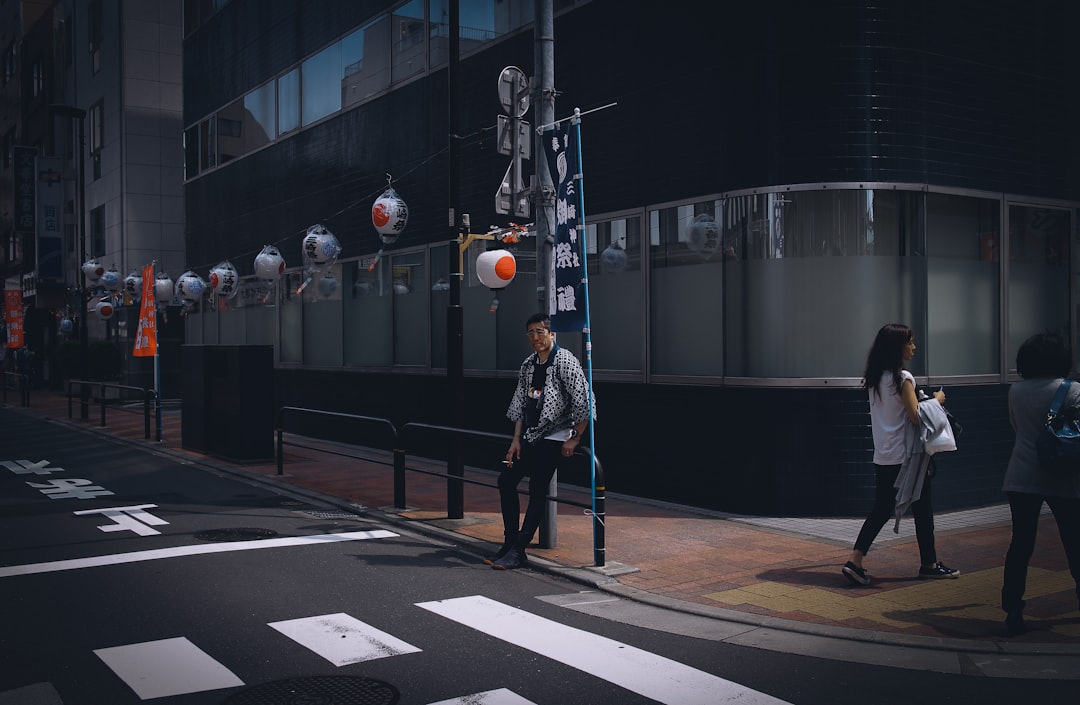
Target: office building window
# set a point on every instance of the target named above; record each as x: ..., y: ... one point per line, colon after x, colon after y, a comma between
x: 321, y: 85
x: 1039, y: 287
x: 95, y: 26
x: 288, y: 95
x: 95, y: 135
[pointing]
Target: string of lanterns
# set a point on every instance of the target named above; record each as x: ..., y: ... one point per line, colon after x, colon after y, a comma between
x: 320, y: 250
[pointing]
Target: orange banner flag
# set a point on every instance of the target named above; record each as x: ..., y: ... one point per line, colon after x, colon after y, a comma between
x: 13, y: 315
x: 146, y: 334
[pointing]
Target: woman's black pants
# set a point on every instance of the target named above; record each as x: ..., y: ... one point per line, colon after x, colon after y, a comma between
x: 1025, y: 510
x: 885, y: 509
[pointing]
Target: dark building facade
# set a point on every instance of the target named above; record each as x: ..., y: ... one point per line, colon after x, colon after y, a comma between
x: 853, y: 164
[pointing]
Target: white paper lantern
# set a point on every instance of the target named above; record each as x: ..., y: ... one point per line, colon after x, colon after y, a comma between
x: 320, y: 249
x: 111, y: 279
x: 104, y: 308
x: 133, y: 284
x: 93, y: 270
x: 67, y: 326
x: 190, y: 286
x: 703, y: 235
x: 496, y: 268
x: 163, y: 289
x: 269, y: 265
x: 225, y: 280
x: 389, y: 216
x: 613, y: 259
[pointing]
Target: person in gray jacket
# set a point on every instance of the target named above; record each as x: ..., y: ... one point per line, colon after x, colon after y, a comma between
x: 1043, y: 361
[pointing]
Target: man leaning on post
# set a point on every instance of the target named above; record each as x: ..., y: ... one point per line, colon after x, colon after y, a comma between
x: 550, y: 411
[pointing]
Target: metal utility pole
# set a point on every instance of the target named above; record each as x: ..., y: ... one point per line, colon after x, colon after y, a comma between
x: 455, y: 321
x: 545, y: 115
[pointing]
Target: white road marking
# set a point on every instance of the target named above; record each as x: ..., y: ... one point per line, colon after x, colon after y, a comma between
x: 341, y: 639
x: 179, y: 551
x: 501, y: 696
x: 642, y: 672
x: 156, y: 669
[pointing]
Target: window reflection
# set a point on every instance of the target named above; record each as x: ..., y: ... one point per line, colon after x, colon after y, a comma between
x: 365, y: 60
x: 409, y: 33
x: 1038, y: 273
x: 289, y: 102
x: 321, y: 88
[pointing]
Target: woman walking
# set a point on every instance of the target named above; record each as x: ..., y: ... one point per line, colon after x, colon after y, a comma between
x: 1043, y: 361
x: 894, y: 417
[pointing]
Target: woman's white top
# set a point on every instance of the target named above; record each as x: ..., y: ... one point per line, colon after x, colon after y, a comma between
x: 887, y: 419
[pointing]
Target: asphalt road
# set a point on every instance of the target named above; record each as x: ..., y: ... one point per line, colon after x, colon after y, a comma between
x: 128, y: 576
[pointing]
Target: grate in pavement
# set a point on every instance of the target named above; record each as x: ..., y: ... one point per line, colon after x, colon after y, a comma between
x: 318, y: 690
x: 330, y: 514
x: 235, y: 534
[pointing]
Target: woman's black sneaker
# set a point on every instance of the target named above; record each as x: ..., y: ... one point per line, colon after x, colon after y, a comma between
x: 855, y: 574
x: 940, y: 570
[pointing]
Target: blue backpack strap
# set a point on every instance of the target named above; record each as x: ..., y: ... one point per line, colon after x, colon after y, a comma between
x: 1059, y: 398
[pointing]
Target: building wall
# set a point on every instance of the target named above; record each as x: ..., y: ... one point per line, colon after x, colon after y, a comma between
x: 690, y: 104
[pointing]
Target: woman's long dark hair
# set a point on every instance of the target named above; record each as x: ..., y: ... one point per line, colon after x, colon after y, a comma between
x: 886, y: 355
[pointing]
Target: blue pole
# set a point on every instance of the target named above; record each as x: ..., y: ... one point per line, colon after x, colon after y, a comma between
x: 588, y: 324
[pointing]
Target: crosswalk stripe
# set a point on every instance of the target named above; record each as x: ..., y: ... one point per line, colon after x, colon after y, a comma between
x: 642, y: 672
x: 156, y: 669
x: 178, y: 551
x: 501, y: 696
x: 341, y: 639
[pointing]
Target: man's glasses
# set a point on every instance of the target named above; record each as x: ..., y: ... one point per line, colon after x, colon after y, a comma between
x: 536, y: 332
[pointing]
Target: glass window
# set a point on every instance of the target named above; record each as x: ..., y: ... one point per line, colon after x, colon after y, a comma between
x: 191, y: 152
x: 291, y: 318
x: 367, y: 314
x: 1038, y: 274
x: 409, y: 285
x: 410, y: 33
x: 259, y: 122
x: 207, y: 144
x: 810, y: 276
x: 963, y: 274
x: 686, y: 306
x: 365, y: 61
x: 323, y: 338
x: 320, y: 85
x: 616, y: 293
x: 97, y: 232
x: 288, y: 93
x: 440, y: 300
x: 438, y: 32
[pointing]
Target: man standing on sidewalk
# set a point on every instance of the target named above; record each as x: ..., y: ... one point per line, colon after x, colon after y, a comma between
x: 550, y: 411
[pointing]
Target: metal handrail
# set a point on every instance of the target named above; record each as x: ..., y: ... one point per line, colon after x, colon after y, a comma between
x: 23, y: 385
x: 595, y: 509
x: 148, y: 394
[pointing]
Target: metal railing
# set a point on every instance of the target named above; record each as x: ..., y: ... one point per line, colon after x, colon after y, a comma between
x: 19, y: 382
x: 394, y: 443
x: 103, y: 400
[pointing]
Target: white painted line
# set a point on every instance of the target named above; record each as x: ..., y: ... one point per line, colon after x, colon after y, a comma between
x: 642, y: 672
x: 341, y: 639
x: 179, y: 551
x: 502, y: 696
x: 156, y: 669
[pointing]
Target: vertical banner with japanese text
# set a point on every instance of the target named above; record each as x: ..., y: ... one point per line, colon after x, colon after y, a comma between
x: 566, y: 290
x: 146, y: 334
x: 13, y: 317
x: 49, y: 201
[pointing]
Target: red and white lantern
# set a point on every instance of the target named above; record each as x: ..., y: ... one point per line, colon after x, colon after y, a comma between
x: 496, y: 268
x: 389, y: 216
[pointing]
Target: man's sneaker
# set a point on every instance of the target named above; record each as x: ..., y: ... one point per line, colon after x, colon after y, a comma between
x: 940, y: 570
x: 855, y: 574
x: 514, y: 558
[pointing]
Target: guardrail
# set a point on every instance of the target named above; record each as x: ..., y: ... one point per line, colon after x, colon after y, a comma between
x: 394, y: 438
x: 103, y: 400
x: 19, y: 382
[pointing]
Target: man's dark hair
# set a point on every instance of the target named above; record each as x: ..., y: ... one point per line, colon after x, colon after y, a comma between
x: 1044, y: 355
x: 539, y: 318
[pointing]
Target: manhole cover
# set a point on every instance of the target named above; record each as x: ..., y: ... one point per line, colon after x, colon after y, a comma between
x: 318, y: 690
x: 331, y: 514
x: 236, y: 534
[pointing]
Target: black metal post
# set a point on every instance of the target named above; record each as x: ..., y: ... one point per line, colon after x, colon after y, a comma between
x: 455, y: 326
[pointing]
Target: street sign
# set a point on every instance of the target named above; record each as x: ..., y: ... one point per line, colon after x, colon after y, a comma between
x: 514, y: 91
x: 507, y: 134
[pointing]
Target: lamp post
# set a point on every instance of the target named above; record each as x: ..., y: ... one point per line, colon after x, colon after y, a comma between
x: 79, y: 116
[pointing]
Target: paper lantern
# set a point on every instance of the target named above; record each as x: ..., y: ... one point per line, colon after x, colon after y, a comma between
x: 67, y: 326
x: 269, y: 265
x: 320, y: 248
x: 496, y: 268
x: 163, y: 289
x: 133, y: 284
x: 93, y: 270
x: 703, y: 235
x: 389, y: 216
x: 190, y: 286
x: 104, y: 308
x: 613, y: 259
x: 225, y: 280
x: 111, y: 279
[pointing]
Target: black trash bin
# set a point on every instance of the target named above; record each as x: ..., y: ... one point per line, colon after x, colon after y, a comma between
x: 228, y: 401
